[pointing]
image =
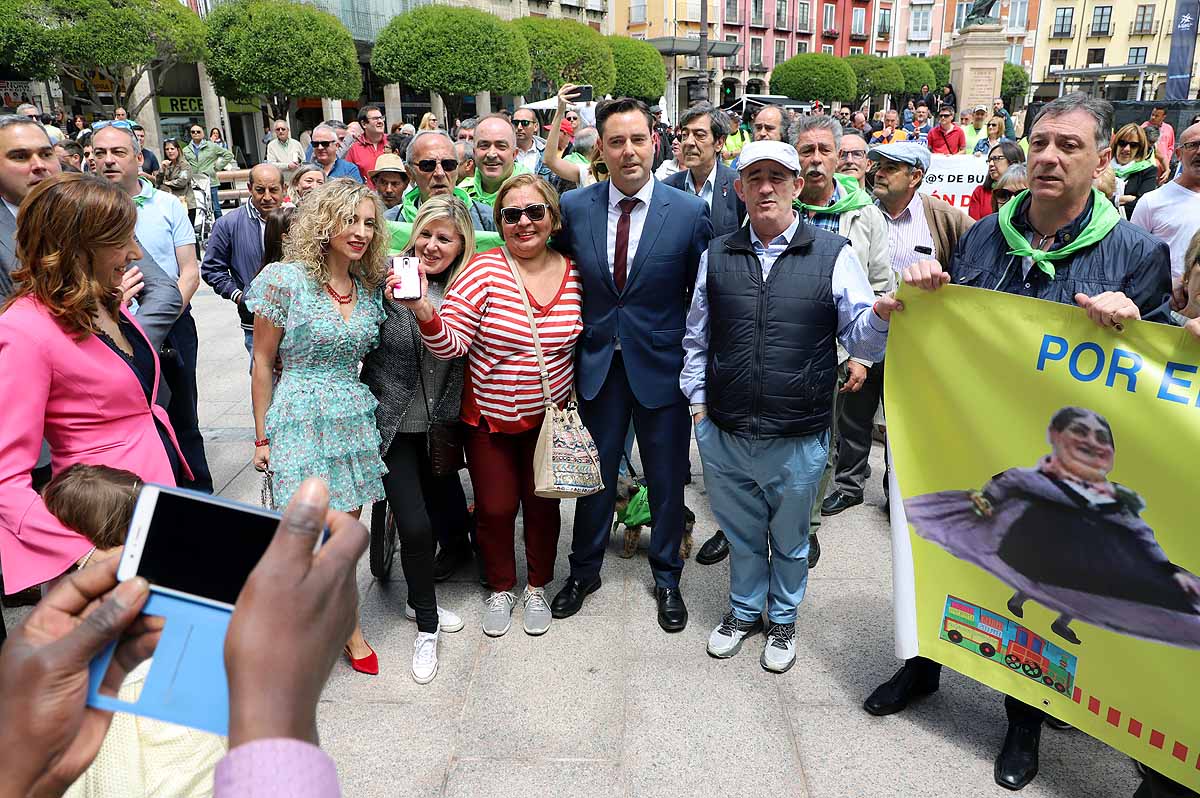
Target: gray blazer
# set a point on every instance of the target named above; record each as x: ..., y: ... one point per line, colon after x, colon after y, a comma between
x: 728, y: 212
x: 8, y: 250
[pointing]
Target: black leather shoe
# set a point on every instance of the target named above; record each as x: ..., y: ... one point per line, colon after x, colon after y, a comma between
x: 448, y: 560
x: 672, y: 612
x: 714, y: 549
x: 1017, y: 763
x: 837, y: 501
x: 918, y: 677
x: 569, y: 599
x: 814, y: 551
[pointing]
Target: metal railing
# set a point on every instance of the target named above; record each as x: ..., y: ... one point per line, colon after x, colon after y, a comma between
x: 1062, y: 33
x: 1145, y: 28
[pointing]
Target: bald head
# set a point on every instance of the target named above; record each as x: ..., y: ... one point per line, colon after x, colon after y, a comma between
x: 266, y: 187
x: 495, y: 150
x: 1188, y: 157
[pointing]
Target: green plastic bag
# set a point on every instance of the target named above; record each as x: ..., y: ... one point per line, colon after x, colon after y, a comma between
x: 637, y: 512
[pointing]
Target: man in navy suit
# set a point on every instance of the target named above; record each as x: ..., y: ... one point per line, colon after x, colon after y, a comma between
x: 637, y: 244
x: 704, y: 131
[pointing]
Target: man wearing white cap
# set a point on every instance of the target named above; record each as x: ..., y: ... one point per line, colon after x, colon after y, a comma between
x: 771, y: 301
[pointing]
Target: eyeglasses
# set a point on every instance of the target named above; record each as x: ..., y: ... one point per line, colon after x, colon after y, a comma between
x: 320, y: 145
x: 536, y: 212
x: 996, y: 158
x: 1124, y: 143
x: 431, y: 164
x: 853, y: 154
x: 123, y: 124
x: 523, y: 122
x: 945, y: 116
x: 1191, y: 146
x: 374, y: 119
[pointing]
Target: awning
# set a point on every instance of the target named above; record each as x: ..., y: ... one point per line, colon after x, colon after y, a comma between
x: 1100, y: 72
x: 681, y: 45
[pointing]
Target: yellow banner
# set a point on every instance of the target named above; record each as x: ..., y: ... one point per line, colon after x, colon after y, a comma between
x: 1048, y: 470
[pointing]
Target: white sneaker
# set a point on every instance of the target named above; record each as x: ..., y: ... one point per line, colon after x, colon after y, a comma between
x: 726, y: 639
x: 425, y: 659
x: 448, y: 621
x: 497, y: 616
x: 537, y: 612
x: 779, y: 654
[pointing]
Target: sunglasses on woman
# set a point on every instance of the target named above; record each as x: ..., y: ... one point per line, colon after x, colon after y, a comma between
x: 536, y: 212
x: 1124, y: 143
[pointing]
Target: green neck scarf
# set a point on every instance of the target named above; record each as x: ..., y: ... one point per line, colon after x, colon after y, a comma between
x: 489, y: 198
x: 1132, y: 166
x: 853, y: 198
x: 1104, y: 219
x: 412, y: 199
x: 142, y: 197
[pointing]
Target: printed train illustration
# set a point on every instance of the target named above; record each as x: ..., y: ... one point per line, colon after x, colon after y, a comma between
x: 1008, y: 643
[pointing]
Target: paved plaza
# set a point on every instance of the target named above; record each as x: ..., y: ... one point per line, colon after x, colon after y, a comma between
x: 607, y: 704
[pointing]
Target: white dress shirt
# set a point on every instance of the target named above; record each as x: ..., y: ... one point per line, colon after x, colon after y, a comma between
x: 705, y: 192
x: 862, y: 332
x: 637, y: 220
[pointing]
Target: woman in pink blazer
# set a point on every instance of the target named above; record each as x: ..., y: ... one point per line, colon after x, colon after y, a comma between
x: 75, y: 368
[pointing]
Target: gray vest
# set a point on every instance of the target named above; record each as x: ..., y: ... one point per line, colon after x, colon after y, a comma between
x: 772, y: 351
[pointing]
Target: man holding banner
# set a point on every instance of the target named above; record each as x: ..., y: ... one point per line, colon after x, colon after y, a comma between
x: 1060, y: 241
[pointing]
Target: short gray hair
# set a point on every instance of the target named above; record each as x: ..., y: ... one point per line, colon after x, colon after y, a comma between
x: 128, y: 131
x: 1101, y: 111
x: 12, y: 120
x: 804, y: 124
x: 585, y: 140
x: 412, y: 144
x: 325, y: 126
x: 467, y: 152
x: 718, y: 120
x: 1014, y: 174
x: 336, y: 124
x: 469, y: 123
x: 28, y: 107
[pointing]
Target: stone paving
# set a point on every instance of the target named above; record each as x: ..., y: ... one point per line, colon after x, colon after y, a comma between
x: 607, y: 704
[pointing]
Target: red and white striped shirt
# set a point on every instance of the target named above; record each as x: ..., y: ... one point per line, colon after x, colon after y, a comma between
x: 483, y: 318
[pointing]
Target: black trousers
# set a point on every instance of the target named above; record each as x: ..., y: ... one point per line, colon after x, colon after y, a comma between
x: 420, y: 503
x: 1019, y: 713
x: 179, y: 371
x: 856, y: 422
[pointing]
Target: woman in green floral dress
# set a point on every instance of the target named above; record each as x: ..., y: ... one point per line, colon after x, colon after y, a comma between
x: 319, y: 311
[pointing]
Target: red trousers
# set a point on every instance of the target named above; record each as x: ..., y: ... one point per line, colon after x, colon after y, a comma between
x: 501, y: 467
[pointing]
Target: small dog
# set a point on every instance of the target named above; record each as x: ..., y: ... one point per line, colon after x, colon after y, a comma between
x: 627, y: 487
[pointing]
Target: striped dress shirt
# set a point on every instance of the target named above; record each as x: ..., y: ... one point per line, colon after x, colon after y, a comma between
x: 906, y: 232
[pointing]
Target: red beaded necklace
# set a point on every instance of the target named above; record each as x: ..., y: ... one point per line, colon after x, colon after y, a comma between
x: 338, y: 298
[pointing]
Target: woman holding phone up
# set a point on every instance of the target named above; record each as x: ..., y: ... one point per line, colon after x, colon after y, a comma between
x: 319, y: 311
x: 484, y: 318
x: 417, y: 394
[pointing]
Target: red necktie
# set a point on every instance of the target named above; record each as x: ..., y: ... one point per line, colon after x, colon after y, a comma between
x: 621, y: 252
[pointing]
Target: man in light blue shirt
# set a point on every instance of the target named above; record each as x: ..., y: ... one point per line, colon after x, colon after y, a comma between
x: 771, y: 301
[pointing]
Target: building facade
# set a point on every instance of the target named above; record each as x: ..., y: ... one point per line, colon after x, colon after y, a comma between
x: 927, y: 27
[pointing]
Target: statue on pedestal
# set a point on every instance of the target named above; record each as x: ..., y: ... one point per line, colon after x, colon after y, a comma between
x: 980, y: 14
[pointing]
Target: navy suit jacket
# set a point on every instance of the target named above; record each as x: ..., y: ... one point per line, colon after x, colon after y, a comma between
x: 728, y: 210
x: 650, y: 315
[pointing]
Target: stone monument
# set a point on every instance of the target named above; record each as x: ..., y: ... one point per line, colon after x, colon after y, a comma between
x: 977, y: 56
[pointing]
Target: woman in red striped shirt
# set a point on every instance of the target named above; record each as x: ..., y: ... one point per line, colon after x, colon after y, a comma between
x: 483, y: 317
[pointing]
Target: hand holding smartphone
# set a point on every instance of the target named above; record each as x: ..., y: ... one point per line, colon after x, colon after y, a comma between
x: 407, y: 271
x: 583, y: 94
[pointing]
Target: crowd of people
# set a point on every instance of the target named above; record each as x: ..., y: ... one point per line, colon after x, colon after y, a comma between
x: 732, y: 282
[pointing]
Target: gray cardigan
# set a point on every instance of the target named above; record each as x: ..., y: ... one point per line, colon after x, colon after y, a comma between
x: 393, y: 372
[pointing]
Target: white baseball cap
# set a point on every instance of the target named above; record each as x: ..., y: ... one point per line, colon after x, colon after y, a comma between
x: 780, y: 152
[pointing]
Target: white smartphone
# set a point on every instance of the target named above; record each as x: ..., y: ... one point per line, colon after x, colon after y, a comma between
x: 195, y: 545
x: 408, y: 270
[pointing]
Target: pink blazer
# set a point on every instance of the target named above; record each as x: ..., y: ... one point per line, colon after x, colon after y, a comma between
x: 88, y: 405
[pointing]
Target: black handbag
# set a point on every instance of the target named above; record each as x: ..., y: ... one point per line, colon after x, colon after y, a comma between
x: 444, y: 439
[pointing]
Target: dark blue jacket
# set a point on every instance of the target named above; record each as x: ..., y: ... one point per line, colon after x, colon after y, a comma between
x: 728, y: 211
x: 649, y: 316
x: 233, y: 258
x: 1128, y: 260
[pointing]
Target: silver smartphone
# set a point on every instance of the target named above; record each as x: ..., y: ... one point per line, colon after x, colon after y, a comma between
x: 408, y: 270
x: 194, y: 545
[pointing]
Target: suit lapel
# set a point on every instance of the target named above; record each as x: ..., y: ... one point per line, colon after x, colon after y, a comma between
x: 598, y: 222
x: 8, y: 233
x: 656, y: 217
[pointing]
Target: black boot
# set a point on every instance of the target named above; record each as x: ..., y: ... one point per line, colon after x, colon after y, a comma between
x: 918, y: 677
x: 1015, y: 604
x: 1062, y: 628
x: 1017, y: 764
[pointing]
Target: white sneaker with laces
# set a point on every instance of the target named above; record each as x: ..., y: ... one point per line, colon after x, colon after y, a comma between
x: 448, y: 620
x: 779, y: 654
x: 727, y: 639
x: 425, y: 659
x: 537, y: 615
x: 497, y: 615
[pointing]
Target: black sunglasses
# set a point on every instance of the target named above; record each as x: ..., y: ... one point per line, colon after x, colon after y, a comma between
x: 323, y: 144
x: 536, y: 212
x: 1002, y: 195
x: 523, y: 122
x: 431, y: 164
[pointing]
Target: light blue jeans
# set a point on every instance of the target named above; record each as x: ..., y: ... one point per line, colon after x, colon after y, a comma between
x: 762, y: 493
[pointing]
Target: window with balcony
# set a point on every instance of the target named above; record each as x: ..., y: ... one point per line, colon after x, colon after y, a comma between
x: 960, y: 13
x: 1095, y: 56
x: 827, y: 49
x: 781, y: 14
x: 885, y: 23
x: 733, y: 61
x: 918, y: 23
x: 731, y: 12
x: 1018, y: 14
x: 1058, y: 60
x: 1137, y: 55
x: 637, y: 11
x: 1064, y: 23
x: 858, y: 22
x: 802, y: 23
x: 756, y: 12
x: 1101, y: 21
x: 829, y: 18
x: 1143, y: 20
x: 756, y: 53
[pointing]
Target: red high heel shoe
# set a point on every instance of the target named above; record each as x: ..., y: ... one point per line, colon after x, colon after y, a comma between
x: 368, y: 664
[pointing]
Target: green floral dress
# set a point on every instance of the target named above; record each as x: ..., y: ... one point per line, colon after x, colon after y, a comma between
x: 321, y: 421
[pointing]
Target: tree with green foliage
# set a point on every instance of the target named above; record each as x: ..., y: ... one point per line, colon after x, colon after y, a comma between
x: 940, y: 64
x: 641, y: 71
x: 102, y: 44
x: 565, y: 51
x: 815, y: 76
x: 916, y: 73
x: 276, y: 51
x: 453, y: 51
x: 1014, y: 85
x: 876, y: 76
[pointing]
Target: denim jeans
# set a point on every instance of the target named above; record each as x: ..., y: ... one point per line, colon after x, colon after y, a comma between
x: 762, y: 493
x: 216, y: 203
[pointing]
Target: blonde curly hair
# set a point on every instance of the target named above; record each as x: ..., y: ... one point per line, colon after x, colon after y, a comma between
x: 326, y: 212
